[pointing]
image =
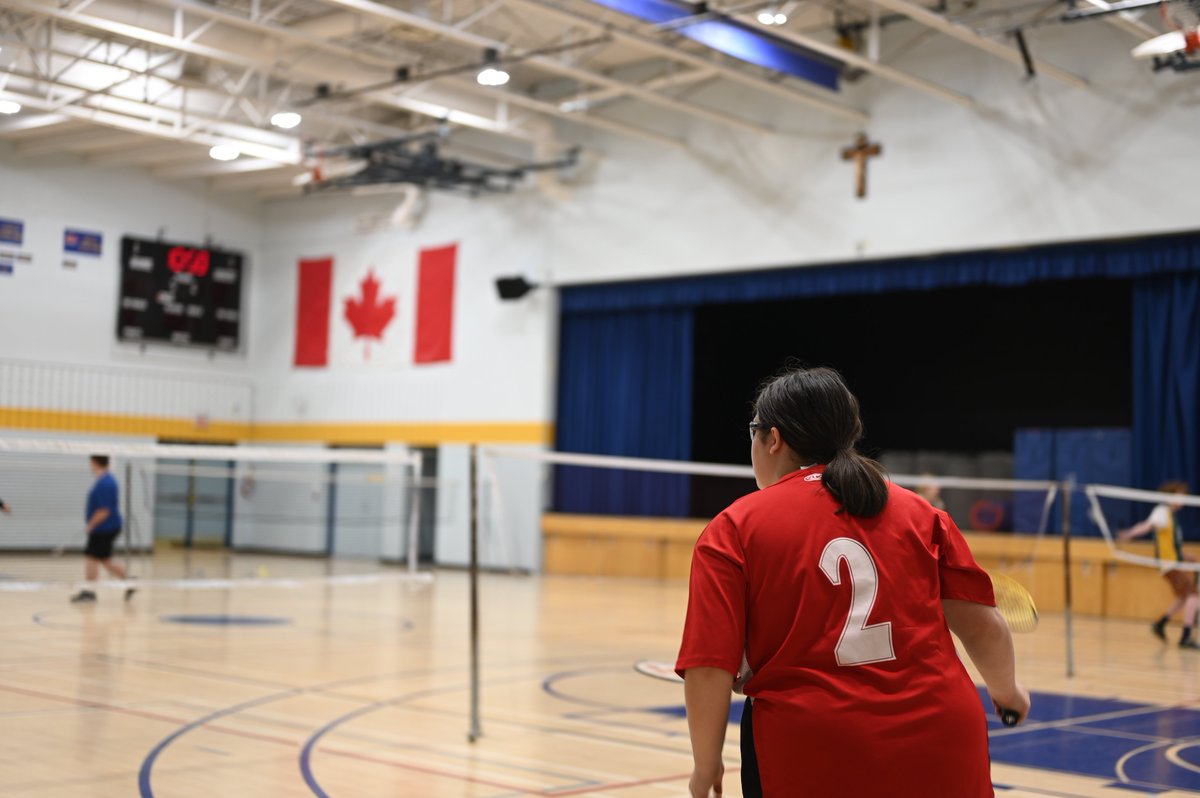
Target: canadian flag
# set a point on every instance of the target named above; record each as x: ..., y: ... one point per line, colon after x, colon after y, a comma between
x: 350, y: 314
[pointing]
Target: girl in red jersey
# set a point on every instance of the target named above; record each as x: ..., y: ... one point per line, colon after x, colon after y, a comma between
x: 841, y: 590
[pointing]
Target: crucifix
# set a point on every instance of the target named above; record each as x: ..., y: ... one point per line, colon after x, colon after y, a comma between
x: 859, y: 153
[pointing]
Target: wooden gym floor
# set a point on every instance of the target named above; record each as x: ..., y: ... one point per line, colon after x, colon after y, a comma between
x: 361, y: 689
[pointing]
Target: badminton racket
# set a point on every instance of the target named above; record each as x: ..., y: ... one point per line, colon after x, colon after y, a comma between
x: 1015, y: 603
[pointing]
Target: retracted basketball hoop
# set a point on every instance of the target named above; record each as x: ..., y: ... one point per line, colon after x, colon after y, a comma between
x: 1183, y: 17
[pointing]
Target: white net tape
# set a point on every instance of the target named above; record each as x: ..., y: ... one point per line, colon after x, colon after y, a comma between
x: 1096, y: 492
x: 360, y: 506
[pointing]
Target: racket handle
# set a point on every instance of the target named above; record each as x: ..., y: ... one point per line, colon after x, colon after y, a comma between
x: 1009, y: 717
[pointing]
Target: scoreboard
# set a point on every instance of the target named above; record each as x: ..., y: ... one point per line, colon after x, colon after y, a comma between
x: 178, y: 294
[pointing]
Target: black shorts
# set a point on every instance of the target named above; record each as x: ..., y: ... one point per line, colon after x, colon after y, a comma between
x: 751, y: 781
x: 100, y: 545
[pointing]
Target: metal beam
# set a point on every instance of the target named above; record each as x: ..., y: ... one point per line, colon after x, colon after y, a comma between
x: 398, y: 17
x: 213, y: 168
x: 31, y: 125
x: 1125, y: 20
x: 149, y: 153
x: 855, y: 60
x: 964, y: 34
x: 145, y: 118
x: 141, y: 34
x: 589, y: 120
x: 250, y: 181
x: 288, y: 35
x: 146, y: 127
x: 583, y: 102
x: 826, y: 104
x: 262, y: 64
x: 83, y: 140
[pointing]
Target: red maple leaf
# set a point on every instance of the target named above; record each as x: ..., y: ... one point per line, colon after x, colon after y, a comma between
x: 370, y: 315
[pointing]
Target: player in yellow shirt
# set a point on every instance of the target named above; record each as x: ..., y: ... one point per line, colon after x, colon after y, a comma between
x: 1168, y: 548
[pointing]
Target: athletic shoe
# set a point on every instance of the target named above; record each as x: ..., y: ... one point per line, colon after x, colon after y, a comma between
x: 1189, y: 643
x: 129, y: 591
x: 83, y: 597
x: 1159, y: 629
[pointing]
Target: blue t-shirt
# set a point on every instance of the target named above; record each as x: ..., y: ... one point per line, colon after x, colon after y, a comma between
x: 104, y: 494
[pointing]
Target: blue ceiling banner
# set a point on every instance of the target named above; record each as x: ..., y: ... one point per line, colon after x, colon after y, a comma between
x: 735, y: 39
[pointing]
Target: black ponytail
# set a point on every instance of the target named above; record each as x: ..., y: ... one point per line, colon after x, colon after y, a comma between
x: 857, y: 482
x: 818, y: 417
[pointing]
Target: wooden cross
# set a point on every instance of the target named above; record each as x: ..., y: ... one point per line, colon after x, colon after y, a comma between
x: 859, y: 153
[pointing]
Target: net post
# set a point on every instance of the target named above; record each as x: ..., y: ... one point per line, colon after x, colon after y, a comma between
x: 414, y: 509
x: 474, y: 733
x: 128, y: 517
x: 1067, y: 487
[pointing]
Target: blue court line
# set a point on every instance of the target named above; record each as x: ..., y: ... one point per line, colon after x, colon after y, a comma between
x: 226, y: 620
x: 144, y: 773
x: 148, y: 763
x: 641, y: 745
x: 310, y: 779
x: 549, y: 682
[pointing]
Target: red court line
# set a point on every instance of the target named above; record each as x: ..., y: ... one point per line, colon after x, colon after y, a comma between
x: 82, y: 702
x: 624, y: 784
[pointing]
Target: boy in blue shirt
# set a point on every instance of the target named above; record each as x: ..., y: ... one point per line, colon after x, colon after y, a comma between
x: 103, y: 525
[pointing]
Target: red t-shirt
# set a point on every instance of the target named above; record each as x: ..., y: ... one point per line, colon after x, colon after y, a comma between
x: 858, y: 690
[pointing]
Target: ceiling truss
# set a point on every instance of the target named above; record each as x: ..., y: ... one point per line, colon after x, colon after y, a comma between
x: 98, y: 79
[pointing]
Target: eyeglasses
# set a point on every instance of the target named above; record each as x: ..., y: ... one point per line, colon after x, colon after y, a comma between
x: 756, y: 426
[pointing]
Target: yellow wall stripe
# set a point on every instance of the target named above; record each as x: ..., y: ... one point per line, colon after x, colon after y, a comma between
x: 533, y: 432
x: 360, y: 433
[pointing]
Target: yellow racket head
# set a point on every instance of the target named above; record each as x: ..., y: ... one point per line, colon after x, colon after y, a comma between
x: 1014, y: 603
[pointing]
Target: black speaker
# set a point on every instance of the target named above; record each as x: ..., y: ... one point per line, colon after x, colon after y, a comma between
x: 513, y: 287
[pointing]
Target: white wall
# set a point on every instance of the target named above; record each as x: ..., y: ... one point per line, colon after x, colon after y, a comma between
x: 511, y: 493
x: 58, y: 325
x: 498, y: 347
x: 1035, y: 162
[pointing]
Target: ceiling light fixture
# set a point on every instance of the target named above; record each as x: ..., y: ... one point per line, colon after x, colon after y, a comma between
x: 772, y: 16
x: 9, y: 107
x: 491, y: 74
x: 285, y: 119
x: 224, y: 152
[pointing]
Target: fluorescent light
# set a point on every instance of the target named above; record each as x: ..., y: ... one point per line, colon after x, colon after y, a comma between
x: 9, y: 107
x: 224, y: 152
x: 780, y: 18
x: 766, y: 17
x: 492, y: 77
x: 286, y: 119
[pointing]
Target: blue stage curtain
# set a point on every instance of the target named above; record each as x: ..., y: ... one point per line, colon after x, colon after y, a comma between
x: 625, y: 364
x: 1166, y: 384
x: 1123, y: 259
x: 625, y: 388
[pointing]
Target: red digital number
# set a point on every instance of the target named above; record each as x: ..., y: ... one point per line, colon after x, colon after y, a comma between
x: 192, y: 261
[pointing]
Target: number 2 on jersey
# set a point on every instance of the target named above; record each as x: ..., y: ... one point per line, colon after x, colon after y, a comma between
x: 860, y: 643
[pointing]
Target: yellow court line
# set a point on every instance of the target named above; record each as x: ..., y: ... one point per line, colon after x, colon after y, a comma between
x: 527, y: 432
